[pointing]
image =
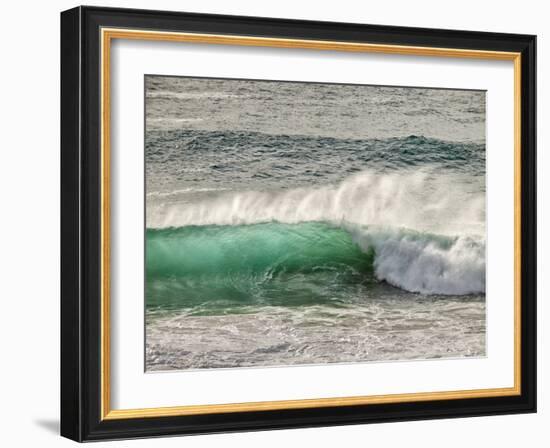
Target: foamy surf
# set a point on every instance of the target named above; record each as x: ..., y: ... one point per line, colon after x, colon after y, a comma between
x: 425, y: 263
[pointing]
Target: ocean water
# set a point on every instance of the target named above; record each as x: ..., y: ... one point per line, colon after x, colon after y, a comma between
x: 302, y: 223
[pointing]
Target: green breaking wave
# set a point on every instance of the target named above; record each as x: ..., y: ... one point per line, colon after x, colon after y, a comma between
x: 229, y: 269
x: 223, y: 268
x: 270, y: 248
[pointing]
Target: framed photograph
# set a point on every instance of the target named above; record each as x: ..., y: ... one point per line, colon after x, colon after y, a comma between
x: 272, y: 223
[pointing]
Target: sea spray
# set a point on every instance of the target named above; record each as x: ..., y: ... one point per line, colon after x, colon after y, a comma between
x: 420, y: 200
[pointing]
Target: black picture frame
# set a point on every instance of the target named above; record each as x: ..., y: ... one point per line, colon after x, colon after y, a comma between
x: 81, y: 415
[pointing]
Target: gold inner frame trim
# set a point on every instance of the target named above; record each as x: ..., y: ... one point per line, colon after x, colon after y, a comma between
x: 107, y: 35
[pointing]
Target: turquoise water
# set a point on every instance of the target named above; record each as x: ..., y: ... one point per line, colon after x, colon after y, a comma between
x: 259, y: 265
x: 306, y: 223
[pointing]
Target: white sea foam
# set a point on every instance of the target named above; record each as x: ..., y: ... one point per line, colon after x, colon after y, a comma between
x: 426, y: 264
x: 375, y: 331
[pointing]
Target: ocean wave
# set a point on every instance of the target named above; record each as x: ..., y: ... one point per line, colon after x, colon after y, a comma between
x: 423, y: 200
x: 248, y: 257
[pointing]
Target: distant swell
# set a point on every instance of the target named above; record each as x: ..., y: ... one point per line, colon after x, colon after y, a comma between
x: 244, y: 256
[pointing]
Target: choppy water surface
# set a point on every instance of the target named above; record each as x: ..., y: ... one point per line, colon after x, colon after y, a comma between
x: 292, y: 223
